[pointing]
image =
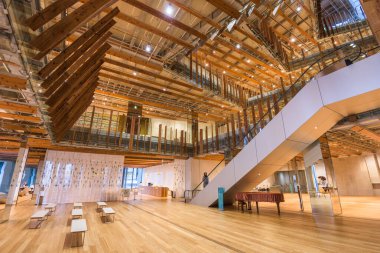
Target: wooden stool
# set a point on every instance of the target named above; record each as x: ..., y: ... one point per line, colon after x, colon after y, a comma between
x: 242, y: 203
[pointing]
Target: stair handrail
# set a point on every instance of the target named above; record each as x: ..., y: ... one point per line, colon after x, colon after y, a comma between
x: 249, y: 133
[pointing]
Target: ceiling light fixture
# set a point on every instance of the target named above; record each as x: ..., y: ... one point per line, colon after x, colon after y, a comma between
x: 293, y: 39
x: 134, y: 73
x: 148, y: 48
x: 169, y: 10
x: 299, y: 8
x: 238, y: 46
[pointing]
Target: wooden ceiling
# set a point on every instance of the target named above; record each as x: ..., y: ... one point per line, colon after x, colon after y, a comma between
x: 105, y: 53
x: 148, y: 38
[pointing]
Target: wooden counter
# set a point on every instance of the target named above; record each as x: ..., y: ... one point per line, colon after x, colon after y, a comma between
x: 155, y: 191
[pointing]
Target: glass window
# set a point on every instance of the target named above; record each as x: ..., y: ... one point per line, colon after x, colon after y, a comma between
x: 132, y: 177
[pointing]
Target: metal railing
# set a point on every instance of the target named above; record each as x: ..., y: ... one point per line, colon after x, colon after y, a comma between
x: 284, y: 98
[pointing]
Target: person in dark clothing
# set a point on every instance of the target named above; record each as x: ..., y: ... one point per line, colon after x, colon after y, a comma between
x: 205, y: 180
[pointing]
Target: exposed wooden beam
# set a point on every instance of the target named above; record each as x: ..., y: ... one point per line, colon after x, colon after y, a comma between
x: 47, y: 14
x: 366, y: 133
x: 296, y: 26
x: 18, y: 107
x: 12, y: 116
x: 60, y: 59
x: 52, y: 36
x: 152, y: 29
x: 158, y: 76
x: 184, y: 92
x: 12, y: 81
x: 166, y: 18
x: 226, y: 8
x: 78, y: 58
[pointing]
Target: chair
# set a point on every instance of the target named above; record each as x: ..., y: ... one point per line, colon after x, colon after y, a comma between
x: 242, y: 204
x: 126, y: 193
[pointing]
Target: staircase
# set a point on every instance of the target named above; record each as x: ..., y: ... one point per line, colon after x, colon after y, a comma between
x: 317, y: 107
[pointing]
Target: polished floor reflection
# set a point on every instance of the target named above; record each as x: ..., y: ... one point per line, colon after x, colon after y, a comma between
x: 157, y: 225
x: 366, y: 207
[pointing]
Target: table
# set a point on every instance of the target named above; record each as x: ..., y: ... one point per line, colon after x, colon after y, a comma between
x: 40, y: 216
x: 100, y: 205
x: 78, y: 228
x: 51, y: 207
x: 77, y: 205
x: 260, y: 197
x: 77, y: 213
x: 107, y: 212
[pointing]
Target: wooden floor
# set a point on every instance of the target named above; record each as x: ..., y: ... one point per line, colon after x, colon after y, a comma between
x: 154, y: 225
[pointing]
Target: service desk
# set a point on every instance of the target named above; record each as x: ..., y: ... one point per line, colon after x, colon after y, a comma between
x: 155, y: 191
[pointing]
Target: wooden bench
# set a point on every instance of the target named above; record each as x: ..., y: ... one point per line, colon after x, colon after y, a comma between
x: 77, y: 213
x: 107, y: 213
x: 39, y: 216
x: 51, y: 208
x: 77, y: 205
x: 100, y: 205
x: 78, y: 231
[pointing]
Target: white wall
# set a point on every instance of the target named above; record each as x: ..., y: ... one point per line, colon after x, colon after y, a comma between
x: 198, y: 167
x: 171, y: 175
x: 355, y: 175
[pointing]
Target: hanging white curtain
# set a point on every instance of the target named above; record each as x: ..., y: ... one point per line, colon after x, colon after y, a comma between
x: 80, y: 177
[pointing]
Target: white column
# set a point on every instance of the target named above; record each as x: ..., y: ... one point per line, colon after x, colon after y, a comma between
x: 17, y: 175
x: 38, y: 183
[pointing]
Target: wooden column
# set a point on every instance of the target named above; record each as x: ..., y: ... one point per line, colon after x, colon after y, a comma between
x: 233, y: 130
x: 159, y: 138
x: 253, y: 118
x: 285, y: 98
x: 216, y: 136
x: 206, y: 138
x: 268, y: 108
x: 132, y: 133
x: 240, y: 129
x: 176, y: 142
x: 275, y: 103
x: 91, y: 123
x: 191, y: 66
x: 109, y: 128
x: 212, y: 139
x: 228, y: 134
x: 181, y: 143
x: 165, y: 135
x: 138, y: 133
x: 246, y: 127
x: 201, y: 141
x: 171, y: 140
x: 185, y: 143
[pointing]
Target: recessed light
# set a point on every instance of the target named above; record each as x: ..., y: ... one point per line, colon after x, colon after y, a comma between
x: 134, y: 73
x: 224, y: 71
x: 293, y: 39
x: 299, y: 8
x: 169, y: 10
x: 148, y: 48
x: 164, y: 89
x: 315, y: 127
x: 238, y: 46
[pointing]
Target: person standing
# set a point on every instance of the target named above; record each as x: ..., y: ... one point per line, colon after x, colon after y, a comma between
x: 205, y: 180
